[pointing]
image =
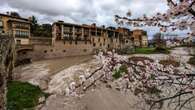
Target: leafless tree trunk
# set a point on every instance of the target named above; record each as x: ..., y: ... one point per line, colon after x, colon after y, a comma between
x: 7, y: 53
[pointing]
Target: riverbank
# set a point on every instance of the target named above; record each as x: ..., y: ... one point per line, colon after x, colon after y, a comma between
x: 40, y: 72
x: 99, y: 98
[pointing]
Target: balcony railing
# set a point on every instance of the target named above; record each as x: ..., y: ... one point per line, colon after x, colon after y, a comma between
x: 21, y: 36
x: 22, y: 27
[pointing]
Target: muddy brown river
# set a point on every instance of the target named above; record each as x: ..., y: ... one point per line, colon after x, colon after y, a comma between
x: 48, y: 67
x: 41, y: 72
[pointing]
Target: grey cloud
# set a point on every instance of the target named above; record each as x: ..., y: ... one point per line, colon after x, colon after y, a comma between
x: 82, y: 11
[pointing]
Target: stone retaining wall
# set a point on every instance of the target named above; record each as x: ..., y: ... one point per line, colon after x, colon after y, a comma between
x: 60, y: 49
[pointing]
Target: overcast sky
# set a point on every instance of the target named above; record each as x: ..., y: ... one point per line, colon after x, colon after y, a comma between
x: 84, y: 11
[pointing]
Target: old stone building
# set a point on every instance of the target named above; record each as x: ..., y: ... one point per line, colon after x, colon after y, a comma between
x: 90, y: 38
x: 73, y: 40
x: 140, y: 38
x: 17, y: 27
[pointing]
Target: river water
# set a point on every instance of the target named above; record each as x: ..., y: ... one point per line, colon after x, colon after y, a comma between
x: 47, y: 68
x: 41, y: 72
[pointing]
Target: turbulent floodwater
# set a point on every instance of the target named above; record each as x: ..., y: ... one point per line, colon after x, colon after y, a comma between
x: 50, y: 75
x: 41, y: 71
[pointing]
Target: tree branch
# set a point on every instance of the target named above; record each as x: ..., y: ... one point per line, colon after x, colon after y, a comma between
x: 168, y: 98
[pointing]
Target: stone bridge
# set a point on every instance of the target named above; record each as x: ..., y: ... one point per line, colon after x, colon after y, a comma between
x: 22, y: 54
x: 20, y: 48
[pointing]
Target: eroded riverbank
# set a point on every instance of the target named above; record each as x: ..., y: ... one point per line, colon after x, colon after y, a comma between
x: 100, y: 98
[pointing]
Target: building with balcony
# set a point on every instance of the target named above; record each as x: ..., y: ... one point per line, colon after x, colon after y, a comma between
x: 17, y: 27
x: 140, y: 38
x: 89, y: 38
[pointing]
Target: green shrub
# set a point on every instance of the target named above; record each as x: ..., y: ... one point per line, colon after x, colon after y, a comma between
x: 118, y: 73
x: 144, y: 50
x: 22, y: 95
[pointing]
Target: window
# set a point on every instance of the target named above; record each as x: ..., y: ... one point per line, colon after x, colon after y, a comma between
x: 45, y: 51
x: 51, y: 50
x: 1, y: 23
x: 64, y: 51
x: 1, y: 30
x: 76, y: 42
x: 66, y: 35
x: 85, y: 42
x: 24, y: 53
x: 100, y: 44
x: 98, y: 39
x: 67, y: 29
x: 98, y: 34
x: 93, y: 33
x: 84, y: 50
x: 19, y: 33
x: 108, y: 46
x: 94, y: 44
x: 18, y: 41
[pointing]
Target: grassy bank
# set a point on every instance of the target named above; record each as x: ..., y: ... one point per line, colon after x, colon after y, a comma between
x: 23, y: 96
x: 147, y: 50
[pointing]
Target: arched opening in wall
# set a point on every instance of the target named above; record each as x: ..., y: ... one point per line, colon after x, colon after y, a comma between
x: 23, y: 57
x: 108, y: 46
x: 45, y: 51
x: 127, y: 41
x: 24, y: 53
x: 76, y: 42
x: 84, y: 50
x: 132, y: 39
x: 64, y: 51
x: 51, y: 50
x: 98, y: 39
x: 100, y: 44
x: 94, y: 44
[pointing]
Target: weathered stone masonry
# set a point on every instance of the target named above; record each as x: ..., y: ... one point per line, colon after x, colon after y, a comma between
x: 7, y: 53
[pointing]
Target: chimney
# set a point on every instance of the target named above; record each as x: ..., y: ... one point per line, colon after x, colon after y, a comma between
x: 93, y: 25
